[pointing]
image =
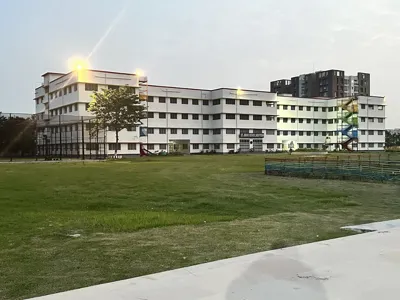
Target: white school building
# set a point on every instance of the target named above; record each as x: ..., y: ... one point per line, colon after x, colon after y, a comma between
x: 193, y: 120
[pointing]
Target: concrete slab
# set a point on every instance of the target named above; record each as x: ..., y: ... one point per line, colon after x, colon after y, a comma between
x: 361, y: 267
x: 376, y: 226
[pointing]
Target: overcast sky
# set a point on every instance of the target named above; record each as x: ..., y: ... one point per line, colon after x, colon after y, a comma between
x: 200, y: 43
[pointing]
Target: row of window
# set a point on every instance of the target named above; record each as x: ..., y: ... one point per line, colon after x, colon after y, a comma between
x: 324, y: 133
x: 185, y: 101
x: 324, y: 121
x: 208, y: 131
x: 63, y: 91
x: 174, y: 116
x: 324, y: 109
x: 64, y: 109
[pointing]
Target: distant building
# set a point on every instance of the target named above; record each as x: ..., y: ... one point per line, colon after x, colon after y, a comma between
x: 329, y: 83
x: 282, y: 86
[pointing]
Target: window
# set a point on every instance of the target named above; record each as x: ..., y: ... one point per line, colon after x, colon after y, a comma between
x: 65, y: 91
x: 185, y: 101
x: 293, y: 120
x: 362, y: 145
x: 131, y: 128
x: 380, y: 132
x: 300, y: 107
x: 316, y: 109
x: 362, y: 106
x: 216, y: 131
x: 244, y: 131
x: 195, y: 116
x: 206, y: 146
x: 217, y: 102
x: 113, y: 147
x: 270, y: 104
x: 131, y: 146
x: 163, y: 146
x: 70, y: 108
x: 195, y: 146
x: 285, y: 120
x: 323, y: 133
x: 323, y: 109
x: 91, y: 87
x: 323, y: 121
x: 150, y: 130
x: 195, y: 131
x: 185, y: 116
x: 270, y: 132
x: 371, y: 107
x: 308, y: 133
x: 150, y: 99
x: 293, y: 107
x: 60, y: 93
x: 257, y: 130
x: 370, y: 132
x: 315, y: 121
x: 230, y: 101
x: 161, y: 99
x: 371, y: 120
x: 308, y: 121
x: 75, y: 107
x: 216, y: 146
x: 270, y: 118
x: 330, y: 121
x: 371, y: 145
x: 173, y: 100
x: 380, y: 120
x: 150, y: 146
x: 216, y: 116
x: 285, y: 107
x: 309, y: 146
x: 362, y: 132
x: 69, y: 89
x: 205, y: 102
x: 90, y: 146
x: 230, y: 146
x: 87, y: 106
x: 174, y: 131
x: 301, y: 146
x: 230, y: 116
x: 244, y: 117
x: 185, y: 131
x: 150, y: 115
x: 363, y: 119
x: 174, y: 116
x: 257, y: 103
x: 301, y: 120
x: 195, y: 102
x: 75, y: 87
x: 293, y: 133
x: 113, y: 87
x: 278, y: 132
x: 162, y: 131
x: 257, y: 117
x: 206, y: 131
x: 161, y: 115
x: 206, y: 117
x: 316, y: 133
x: 380, y: 107
x: 285, y: 132
x: 308, y: 108
x: 244, y: 102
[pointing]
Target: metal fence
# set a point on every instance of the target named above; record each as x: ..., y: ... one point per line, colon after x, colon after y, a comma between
x: 361, y: 168
x: 25, y: 136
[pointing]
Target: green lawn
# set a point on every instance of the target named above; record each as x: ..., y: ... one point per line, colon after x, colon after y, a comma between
x: 154, y: 214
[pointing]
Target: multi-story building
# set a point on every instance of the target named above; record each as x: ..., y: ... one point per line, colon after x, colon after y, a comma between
x: 282, y: 86
x: 194, y: 120
x: 328, y: 83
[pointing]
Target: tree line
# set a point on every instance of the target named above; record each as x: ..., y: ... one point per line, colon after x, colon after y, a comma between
x: 17, y: 136
x: 392, y: 139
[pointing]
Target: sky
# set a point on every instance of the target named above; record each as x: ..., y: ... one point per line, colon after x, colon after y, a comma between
x: 200, y: 43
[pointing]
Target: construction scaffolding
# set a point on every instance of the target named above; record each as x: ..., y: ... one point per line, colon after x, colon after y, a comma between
x: 348, y: 123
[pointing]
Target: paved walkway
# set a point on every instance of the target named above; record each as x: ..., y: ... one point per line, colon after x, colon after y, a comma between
x: 361, y: 267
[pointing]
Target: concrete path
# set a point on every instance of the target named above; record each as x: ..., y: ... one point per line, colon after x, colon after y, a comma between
x: 361, y: 267
x: 385, y: 225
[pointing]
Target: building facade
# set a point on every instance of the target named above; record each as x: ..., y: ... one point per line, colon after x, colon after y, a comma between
x: 194, y: 120
x: 282, y: 86
x: 328, y: 83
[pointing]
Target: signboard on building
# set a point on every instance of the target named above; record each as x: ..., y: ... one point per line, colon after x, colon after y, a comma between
x: 251, y: 135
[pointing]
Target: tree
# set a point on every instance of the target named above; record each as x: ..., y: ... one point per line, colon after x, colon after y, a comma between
x: 118, y: 108
x: 392, y: 139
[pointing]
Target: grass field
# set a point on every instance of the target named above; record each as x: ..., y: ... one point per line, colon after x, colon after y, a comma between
x: 148, y: 215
